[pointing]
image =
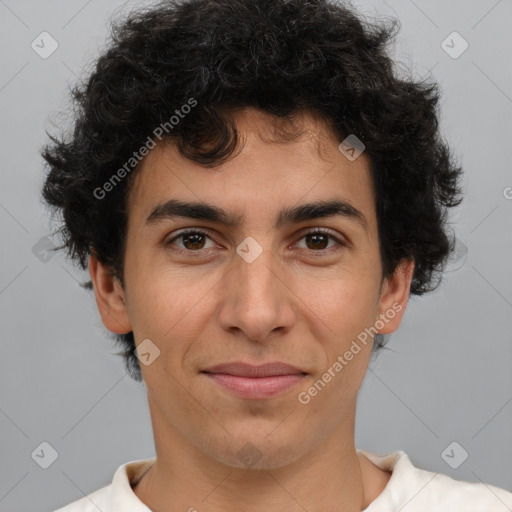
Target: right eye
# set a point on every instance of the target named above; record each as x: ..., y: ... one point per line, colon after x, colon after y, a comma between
x: 190, y: 239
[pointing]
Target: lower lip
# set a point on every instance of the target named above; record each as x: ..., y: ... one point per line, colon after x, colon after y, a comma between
x: 260, y: 387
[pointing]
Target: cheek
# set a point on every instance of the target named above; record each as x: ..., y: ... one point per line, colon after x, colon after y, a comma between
x: 169, y: 306
x: 346, y: 312
x: 342, y: 310
x: 347, y: 303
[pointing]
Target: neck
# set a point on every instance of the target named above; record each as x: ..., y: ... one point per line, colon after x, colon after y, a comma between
x: 331, y: 477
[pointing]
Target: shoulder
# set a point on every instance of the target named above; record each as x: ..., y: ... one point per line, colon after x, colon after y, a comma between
x: 117, y: 496
x: 90, y: 503
x: 419, y: 490
x: 448, y: 493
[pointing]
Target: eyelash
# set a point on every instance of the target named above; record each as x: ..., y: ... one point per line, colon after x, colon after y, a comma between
x: 200, y: 252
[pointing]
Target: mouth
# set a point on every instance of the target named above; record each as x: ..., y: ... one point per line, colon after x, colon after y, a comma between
x: 255, y: 382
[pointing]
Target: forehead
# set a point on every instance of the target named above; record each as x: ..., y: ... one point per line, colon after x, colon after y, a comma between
x: 269, y: 171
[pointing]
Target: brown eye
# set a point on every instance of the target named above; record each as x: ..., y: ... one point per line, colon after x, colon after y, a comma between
x: 191, y: 241
x: 318, y: 240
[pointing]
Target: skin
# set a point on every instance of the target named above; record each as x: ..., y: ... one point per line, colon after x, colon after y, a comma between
x: 287, y: 305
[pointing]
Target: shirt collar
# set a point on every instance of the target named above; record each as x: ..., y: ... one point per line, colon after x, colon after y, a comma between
x: 122, y: 496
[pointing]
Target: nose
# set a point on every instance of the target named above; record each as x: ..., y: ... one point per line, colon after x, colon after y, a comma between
x: 256, y: 299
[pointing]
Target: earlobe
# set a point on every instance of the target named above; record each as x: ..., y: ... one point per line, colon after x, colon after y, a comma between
x: 110, y: 297
x: 394, y: 297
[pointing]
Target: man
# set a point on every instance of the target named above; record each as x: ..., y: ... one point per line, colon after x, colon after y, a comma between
x: 256, y: 195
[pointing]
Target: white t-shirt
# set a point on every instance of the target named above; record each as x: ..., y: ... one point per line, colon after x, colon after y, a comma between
x: 410, y: 489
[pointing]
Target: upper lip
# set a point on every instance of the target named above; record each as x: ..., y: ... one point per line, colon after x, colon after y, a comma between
x: 249, y: 370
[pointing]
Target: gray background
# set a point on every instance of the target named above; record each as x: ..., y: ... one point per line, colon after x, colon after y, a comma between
x: 448, y: 376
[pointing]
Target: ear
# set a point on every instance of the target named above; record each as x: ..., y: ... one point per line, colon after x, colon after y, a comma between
x: 110, y: 297
x: 394, y: 297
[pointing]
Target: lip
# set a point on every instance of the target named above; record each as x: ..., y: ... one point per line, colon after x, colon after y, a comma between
x: 255, y: 381
x: 240, y: 369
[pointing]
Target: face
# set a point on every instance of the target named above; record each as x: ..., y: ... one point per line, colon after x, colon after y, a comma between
x: 254, y: 291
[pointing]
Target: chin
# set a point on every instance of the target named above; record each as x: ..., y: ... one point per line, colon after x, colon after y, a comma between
x: 256, y: 451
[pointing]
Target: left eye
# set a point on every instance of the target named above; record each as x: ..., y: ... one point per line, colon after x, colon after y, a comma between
x: 318, y: 238
x: 193, y: 240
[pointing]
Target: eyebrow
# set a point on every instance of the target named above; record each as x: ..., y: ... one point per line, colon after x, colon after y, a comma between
x: 292, y: 214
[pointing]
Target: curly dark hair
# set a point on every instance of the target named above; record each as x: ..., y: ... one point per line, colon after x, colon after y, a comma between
x: 283, y: 57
